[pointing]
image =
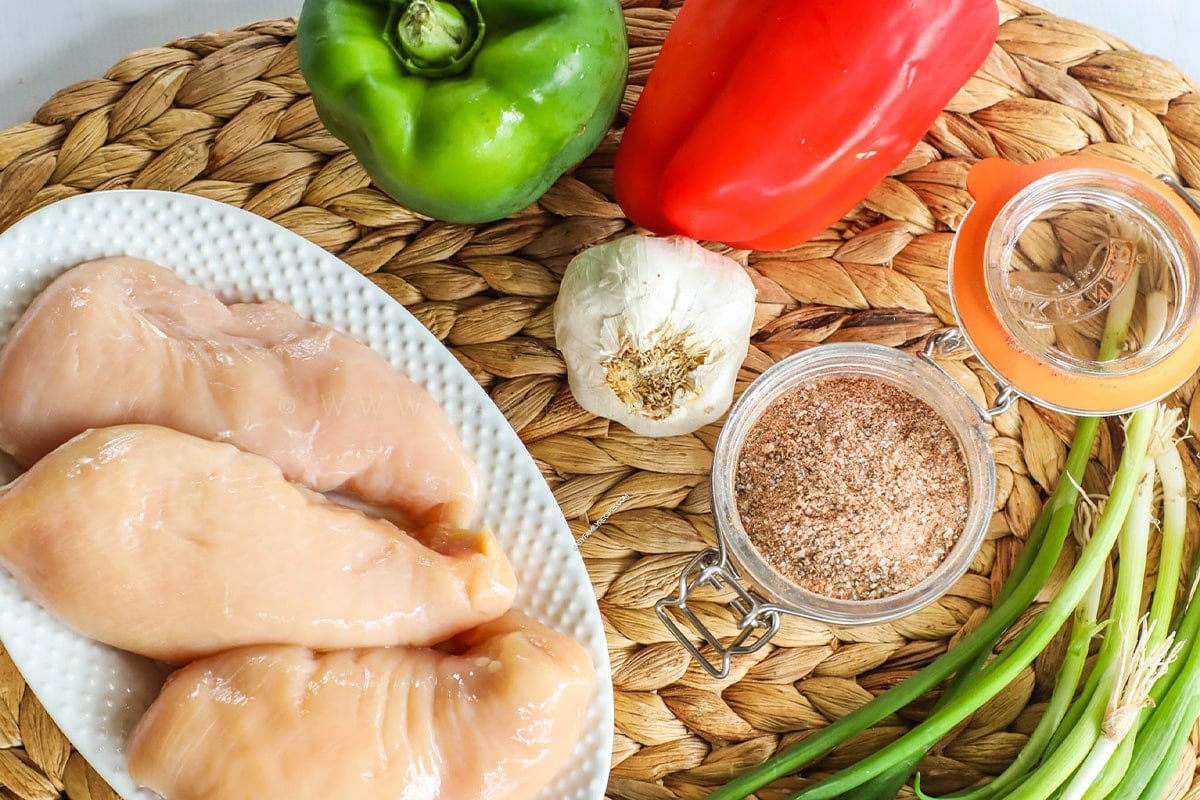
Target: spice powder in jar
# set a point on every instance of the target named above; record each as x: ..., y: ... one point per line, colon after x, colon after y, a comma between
x: 852, y: 488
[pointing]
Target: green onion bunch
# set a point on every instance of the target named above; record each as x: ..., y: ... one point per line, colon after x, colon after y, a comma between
x: 1123, y: 704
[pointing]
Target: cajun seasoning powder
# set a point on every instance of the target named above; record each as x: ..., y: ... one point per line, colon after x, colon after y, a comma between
x: 852, y: 488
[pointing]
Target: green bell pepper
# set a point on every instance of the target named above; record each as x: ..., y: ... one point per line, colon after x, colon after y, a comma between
x: 465, y: 110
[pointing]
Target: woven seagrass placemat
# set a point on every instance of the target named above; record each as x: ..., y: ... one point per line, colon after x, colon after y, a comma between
x: 226, y: 115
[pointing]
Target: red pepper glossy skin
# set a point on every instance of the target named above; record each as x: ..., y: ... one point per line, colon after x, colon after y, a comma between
x: 764, y: 121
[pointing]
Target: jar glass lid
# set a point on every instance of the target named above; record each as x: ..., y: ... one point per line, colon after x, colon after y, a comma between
x: 1076, y: 281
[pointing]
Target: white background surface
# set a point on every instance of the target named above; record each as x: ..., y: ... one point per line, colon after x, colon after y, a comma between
x: 48, y: 44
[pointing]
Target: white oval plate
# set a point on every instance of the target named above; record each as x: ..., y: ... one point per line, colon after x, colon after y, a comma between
x: 95, y: 693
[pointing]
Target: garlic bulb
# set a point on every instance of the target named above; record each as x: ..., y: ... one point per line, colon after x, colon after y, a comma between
x: 653, y: 331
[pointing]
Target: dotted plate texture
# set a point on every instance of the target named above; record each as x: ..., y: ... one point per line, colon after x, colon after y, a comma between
x: 95, y: 693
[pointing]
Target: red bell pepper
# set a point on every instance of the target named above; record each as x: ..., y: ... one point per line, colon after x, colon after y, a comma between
x: 764, y: 121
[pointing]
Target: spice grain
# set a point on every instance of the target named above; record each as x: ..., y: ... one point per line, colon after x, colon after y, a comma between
x: 852, y: 488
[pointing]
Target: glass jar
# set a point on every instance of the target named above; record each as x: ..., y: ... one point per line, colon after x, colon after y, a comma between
x: 917, y: 377
x: 1054, y: 253
x: 1075, y: 281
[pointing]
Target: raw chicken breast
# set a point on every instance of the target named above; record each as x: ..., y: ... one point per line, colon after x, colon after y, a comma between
x: 495, y: 722
x: 175, y: 547
x: 122, y: 340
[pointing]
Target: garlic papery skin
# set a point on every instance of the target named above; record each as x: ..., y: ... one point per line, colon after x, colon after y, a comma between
x: 653, y: 331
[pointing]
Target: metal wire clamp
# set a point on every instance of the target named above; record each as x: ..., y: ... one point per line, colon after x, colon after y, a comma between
x: 758, y: 620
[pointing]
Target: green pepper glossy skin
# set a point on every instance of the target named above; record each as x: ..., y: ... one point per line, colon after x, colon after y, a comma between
x: 535, y: 98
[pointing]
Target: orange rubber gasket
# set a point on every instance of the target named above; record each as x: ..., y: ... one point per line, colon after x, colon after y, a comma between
x: 992, y: 183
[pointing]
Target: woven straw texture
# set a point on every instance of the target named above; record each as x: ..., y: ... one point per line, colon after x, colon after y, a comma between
x: 226, y: 115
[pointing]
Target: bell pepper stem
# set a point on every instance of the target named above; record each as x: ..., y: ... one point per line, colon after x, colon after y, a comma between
x: 432, y: 31
x: 435, y: 38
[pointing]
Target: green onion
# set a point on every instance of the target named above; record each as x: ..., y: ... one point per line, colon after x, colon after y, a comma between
x: 1009, y: 663
x: 1177, y: 699
x: 1110, y: 777
x: 1038, y: 562
x: 1083, y: 630
x: 1117, y: 323
x: 1142, y: 666
x: 1169, y: 466
x: 1114, y: 660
